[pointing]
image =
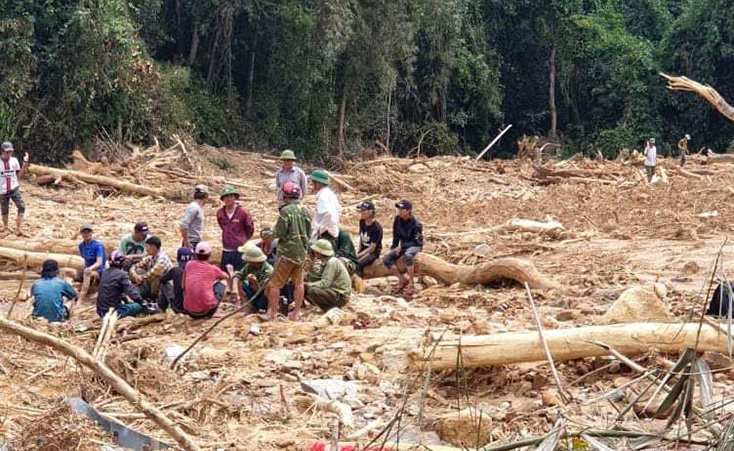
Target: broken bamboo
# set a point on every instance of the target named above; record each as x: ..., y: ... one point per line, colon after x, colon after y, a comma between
x: 120, y: 385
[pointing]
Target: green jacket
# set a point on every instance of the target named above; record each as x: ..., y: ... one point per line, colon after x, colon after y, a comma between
x: 334, y: 276
x: 262, y: 273
x: 345, y: 247
x: 293, y: 230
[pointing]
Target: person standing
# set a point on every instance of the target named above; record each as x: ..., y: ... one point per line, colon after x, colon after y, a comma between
x: 407, y: 240
x: 651, y: 158
x: 95, y: 259
x: 328, y: 210
x: 132, y: 245
x: 11, y: 171
x: 192, y: 223
x: 289, y: 173
x: 49, y: 292
x: 237, y: 229
x: 370, y: 236
x: 292, y: 231
x: 683, y: 148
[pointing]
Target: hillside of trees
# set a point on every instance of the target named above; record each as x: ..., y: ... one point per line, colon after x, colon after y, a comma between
x: 329, y: 77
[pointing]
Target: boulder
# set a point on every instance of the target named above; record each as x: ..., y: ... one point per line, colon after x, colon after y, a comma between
x: 468, y: 428
x: 639, y: 304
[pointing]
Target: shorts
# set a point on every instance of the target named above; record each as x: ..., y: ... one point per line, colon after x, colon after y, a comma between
x: 284, y: 270
x: 366, y: 261
x: 233, y: 258
x: 13, y: 195
x: 409, y: 254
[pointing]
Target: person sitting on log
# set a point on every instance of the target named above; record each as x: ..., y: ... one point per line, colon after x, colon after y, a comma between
x: 204, y: 284
x: 289, y: 172
x: 132, y: 245
x: 10, y: 172
x: 370, y: 236
x: 268, y: 244
x: 328, y: 210
x: 95, y: 259
x: 116, y: 291
x: 192, y: 222
x: 49, y: 292
x: 172, y: 293
x: 407, y: 240
x: 345, y: 251
x: 292, y: 231
x: 328, y: 283
x: 147, y: 273
x: 250, y: 278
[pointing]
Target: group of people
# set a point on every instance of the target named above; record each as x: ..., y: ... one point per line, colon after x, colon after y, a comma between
x: 651, y: 154
x: 304, y: 257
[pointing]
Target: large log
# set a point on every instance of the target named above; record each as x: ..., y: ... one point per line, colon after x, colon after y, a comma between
x: 118, y: 184
x: 449, y: 274
x: 705, y: 91
x: 581, y: 173
x: 568, y: 344
x: 116, y: 382
x: 36, y: 259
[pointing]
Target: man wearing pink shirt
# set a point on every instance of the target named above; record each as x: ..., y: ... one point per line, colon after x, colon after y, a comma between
x: 202, y: 284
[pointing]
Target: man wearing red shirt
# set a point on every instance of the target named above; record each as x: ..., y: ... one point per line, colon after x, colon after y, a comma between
x: 202, y: 285
x: 237, y: 229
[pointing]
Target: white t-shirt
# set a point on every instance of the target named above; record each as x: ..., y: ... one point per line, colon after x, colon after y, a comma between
x: 651, y: 156
x: 9, y: 175
x: 327, y: 214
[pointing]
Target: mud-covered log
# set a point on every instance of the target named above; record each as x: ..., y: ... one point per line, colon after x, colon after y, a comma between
x: 482, y: 274
x: 568, y: 344
x: 118, y: 184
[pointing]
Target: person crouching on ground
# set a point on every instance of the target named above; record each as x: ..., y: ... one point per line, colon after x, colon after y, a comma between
x: 147, y: 274
x: 252, y: 277
x: 95, y: 259
x: 407, y: 240
x: 115, y: 289
x: 49, y: 292
x: 328, y: 283
x: 204, y: 284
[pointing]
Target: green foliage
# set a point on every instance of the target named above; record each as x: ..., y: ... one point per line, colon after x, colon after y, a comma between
x: 296, y: 73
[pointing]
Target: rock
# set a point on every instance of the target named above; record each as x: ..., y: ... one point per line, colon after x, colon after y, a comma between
x: 549, y: 322
x: 620, y: 381
x: 292, y: 365
x: 551, y: 398
x: 539, y: 381
x: 483, y: 249
x: 639, y: 304
x: 465, y: 429
x: 567, y: 315
x: 330, y: 388
x: 689, y: 269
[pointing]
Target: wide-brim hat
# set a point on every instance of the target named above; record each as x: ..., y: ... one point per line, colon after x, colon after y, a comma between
x: 287, y: 155
x: 252, y: 253
x: 320, y: 176
x: 323, y: 247
x: 227, y: 191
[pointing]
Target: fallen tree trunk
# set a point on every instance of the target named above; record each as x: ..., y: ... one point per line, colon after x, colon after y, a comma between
x: 99, y: 368
x: 118, y: 184
x: 568, y: 344
x: 688, y: 174
x: 448, y: 274
x: 36, y: 259
x: 705, y: 91
x: 580, y: 173
x: 713, y: 158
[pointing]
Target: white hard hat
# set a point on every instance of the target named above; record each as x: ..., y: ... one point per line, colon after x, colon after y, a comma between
x: 688, y: 137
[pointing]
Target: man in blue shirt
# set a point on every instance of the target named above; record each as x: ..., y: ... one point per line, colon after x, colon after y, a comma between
x: 49, y: 292
x: 95, y: 259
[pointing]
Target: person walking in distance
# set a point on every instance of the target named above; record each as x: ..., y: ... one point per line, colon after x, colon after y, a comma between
x: 10, y: 172
x: 651, y: 158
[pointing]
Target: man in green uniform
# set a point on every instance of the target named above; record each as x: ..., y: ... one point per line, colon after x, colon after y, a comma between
x: 329, y: 284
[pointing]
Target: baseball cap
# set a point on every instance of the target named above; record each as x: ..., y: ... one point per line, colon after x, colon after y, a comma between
x: 203, y: 248
x: 142, y: 227
x: 117, y: 257
x: 184, y: 256
x: 86, y: 226
x: 366, y: 205
x: 202, y: 189
x: 7, y: 146
x: 404, y: 205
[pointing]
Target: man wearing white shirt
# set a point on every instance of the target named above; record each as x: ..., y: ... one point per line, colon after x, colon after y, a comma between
x: 651, y: 158
x: 326, y: 220
x: 10, y: 171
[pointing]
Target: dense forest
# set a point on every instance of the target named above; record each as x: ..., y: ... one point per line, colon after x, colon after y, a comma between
x: 329, y: 77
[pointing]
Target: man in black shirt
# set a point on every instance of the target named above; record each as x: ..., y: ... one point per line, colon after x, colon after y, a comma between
x: 370, y: 236
x: 115, y: 288
x: 407, y: 240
